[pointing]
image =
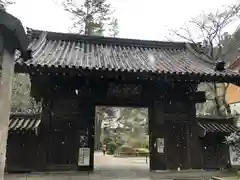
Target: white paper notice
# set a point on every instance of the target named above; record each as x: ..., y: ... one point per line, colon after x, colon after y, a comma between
x: 84, y: 157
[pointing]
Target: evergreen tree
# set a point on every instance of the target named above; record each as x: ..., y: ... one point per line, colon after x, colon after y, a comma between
x: 113, y: 31
x: 90, y: 16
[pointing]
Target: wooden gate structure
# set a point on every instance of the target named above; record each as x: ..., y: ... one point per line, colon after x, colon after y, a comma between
x: 72, y: 74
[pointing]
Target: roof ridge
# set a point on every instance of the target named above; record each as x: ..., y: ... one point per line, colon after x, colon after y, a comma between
x: 99, y: 54
x: 234, y: 63
x: 108, y: 40
x: 198, y: 55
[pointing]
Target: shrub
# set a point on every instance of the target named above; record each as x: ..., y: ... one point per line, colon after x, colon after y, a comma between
x: 142, y: 150
x: 138, y: 143
x: 111, y: 147
x: 126, y: 149
x: 233, y: 138
x: 107, y: 140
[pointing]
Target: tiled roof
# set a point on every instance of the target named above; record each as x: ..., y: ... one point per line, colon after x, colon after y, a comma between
x: 235, y: 66
x: 114, y: 54
x: 24, y: 122
x: 217, y: 127
x: 211, y: 123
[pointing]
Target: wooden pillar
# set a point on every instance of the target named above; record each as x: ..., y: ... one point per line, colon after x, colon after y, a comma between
x: 45, y: 131
x: 7, y: 62
x: 97, y: 127
x: 157, y: 138
x: 86, y: 136
x: 188, y: 142
x: 91, y: 134
x: 194, y: 142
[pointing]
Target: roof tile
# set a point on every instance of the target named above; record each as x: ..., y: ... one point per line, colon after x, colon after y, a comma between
x: 217, y: 127
x: 24, y: 122
x: 75, y: 51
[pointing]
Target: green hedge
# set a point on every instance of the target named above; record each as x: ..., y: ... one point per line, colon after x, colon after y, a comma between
x: 127, y: 151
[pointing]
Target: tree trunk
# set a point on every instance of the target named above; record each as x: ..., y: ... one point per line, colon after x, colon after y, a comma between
x: 7, y: 61
x: 227, y: 106
x: 218, y: 106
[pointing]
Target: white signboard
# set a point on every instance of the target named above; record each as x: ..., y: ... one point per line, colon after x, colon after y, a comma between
x: 84, y: 157
x: 234, y: 156
x: 160, y: 145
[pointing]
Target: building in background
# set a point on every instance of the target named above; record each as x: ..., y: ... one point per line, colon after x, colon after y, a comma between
x: 233, y: 92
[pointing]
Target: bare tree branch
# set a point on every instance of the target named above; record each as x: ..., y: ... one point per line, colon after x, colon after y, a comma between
x: 210, y: 28
x: 5, y: 3
x: 216, y: 45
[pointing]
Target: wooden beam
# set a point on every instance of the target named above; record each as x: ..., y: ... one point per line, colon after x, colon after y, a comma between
x: 7, y: 62
x: 124, y: 75
x: 199, y: 97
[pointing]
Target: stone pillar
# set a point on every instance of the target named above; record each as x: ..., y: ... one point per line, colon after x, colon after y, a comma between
x: 12, y: 37
x: 7, y: 71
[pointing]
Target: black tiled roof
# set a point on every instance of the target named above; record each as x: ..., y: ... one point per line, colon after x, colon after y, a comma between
x: 24, y: 122
x: 212, y: 123
x: 217, y: 127
x: 114, y: 54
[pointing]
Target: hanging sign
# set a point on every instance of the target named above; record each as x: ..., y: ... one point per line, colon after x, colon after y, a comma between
x: 84, y: 157
x: 124, y: 90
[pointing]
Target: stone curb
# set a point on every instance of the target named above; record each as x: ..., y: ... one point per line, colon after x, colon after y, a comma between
x: 216, y: 178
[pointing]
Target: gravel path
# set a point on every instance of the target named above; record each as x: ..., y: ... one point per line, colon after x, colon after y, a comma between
x: 115, y: 168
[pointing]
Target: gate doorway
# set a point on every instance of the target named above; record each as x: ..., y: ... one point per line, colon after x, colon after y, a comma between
x: 121, y: 138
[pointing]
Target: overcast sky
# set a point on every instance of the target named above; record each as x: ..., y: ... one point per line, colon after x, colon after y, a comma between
x: 138, y: 19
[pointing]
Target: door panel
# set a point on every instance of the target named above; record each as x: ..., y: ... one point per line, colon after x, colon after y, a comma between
x: 63, y: 146
x: 210, y: 152
x: 176, y: 146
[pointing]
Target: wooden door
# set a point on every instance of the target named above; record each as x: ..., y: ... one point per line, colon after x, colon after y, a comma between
x: 177, y: 152
x: 210, y: 152
x: 71, y: 128
x: 63, y: 145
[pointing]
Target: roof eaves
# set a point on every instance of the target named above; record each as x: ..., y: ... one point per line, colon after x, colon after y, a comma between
x: 235, y: 102
x: 24, y: 115
x: 235, y: 63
